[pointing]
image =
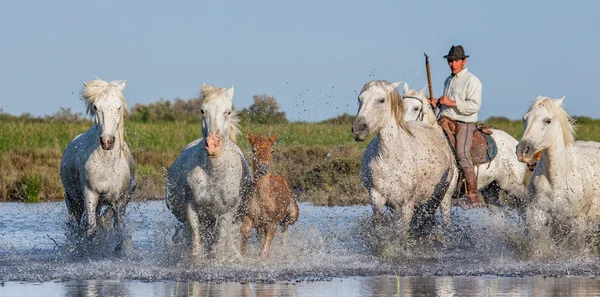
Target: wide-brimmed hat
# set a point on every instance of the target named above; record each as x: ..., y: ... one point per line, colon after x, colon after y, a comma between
x: 456, y: 52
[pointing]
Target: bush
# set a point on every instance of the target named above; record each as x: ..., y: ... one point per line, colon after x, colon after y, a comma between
x: 28, y: 189
x: 265, y: 110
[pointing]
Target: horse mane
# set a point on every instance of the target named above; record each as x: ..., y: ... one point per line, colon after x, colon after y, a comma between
x: 395, y: 100
x: 425, y: 107
x: 97, y: 89
x: 559, y: 113
x: 209, y: 93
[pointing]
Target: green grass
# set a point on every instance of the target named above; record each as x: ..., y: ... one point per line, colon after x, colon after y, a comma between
x: 321, y: 160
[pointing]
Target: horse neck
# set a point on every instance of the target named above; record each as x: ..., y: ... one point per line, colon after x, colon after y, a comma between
x: 392, y: 138
x: 258, y: 177
x: 557, y: 161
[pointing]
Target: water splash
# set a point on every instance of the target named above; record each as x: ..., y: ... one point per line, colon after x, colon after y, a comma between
x: 326, y: 242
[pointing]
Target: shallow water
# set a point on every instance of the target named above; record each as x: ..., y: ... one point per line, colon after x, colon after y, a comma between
x: 330, y: 249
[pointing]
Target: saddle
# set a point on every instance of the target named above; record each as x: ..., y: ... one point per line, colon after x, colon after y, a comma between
x: 483, y: 149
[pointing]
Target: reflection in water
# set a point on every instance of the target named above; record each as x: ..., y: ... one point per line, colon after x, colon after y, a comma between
x: 96, y: 288
x: 385, y: 285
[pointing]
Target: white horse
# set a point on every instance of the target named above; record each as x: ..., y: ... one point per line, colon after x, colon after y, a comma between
x: 97, y: 167
x: 504, y: 170
x: 208, y: 182
x: 395, y: 168
x: 564, y: 184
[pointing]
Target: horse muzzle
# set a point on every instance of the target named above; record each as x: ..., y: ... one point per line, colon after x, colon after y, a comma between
x: 107, y: 142
x: 360, y: 131
x: 213, y: 145
x: 527, y: 154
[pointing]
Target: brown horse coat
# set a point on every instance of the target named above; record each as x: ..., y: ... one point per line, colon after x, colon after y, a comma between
x: 271, y: 203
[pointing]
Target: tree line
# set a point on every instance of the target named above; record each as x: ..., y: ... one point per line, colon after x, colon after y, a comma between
x: 264, y: 110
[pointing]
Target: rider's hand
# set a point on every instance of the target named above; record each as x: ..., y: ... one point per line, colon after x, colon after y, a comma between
x: 433, y: 102
x: 446, y: 101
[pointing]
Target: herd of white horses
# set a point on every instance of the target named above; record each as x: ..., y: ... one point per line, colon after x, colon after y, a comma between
x: 408, y: 166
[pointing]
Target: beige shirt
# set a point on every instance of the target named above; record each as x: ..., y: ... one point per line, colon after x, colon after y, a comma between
x: 465, y: 89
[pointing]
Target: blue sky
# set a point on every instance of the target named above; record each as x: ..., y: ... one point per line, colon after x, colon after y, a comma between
x: 313, y: 56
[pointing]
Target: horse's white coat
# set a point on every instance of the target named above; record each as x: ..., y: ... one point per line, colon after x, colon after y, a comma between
x: 97, y: 167
x: 204, y: 191
x: 404, y: 166
x: 564, y: 185
x: 505, y: 169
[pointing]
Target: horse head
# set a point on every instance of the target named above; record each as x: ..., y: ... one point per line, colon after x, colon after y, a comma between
x: 416, y: 106
x: 219, y: 121
x: 380, y: 105
x: 105, y: 102
x: 262, y: 150
x: 545, y: 124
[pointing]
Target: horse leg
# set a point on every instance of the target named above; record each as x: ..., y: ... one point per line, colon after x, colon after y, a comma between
x: 118, y: 211
x: 408, y: 210
x: 446, y: 203
x: 91, y: 206
x: 269, y: 239
x: 290, y: 219
x: 377, y: 203
x: 260, y: 234
x: 245, y: 230
x: 75, y: 207
x: 284, y: 233
x: 194, y: 227
x: 107, y: 218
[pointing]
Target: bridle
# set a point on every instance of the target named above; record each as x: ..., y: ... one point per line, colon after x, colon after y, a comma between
x: 421, y: 113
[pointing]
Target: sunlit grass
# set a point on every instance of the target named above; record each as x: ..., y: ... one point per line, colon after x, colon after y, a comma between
x: 321, y: 160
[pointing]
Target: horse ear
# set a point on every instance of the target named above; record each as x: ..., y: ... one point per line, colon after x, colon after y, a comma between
x: 558, y: 102
x: 123, y: 83
x: 250, y: 136
x: 396, y: 85
x: 230, y: 93
x: 406, y: 88
x: 273, y: 138
x: 423, y: 90
x: 85, y: 84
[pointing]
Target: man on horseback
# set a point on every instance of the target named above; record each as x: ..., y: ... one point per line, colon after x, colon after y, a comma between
x: 461, y: 102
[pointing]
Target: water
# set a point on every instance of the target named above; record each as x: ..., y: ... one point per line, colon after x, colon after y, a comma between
x: 330, y: 252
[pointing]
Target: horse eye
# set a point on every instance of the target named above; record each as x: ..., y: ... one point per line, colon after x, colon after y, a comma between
x: 381, y: 100
x: 94, y: 107
x: 202, y: 111
x: 548, y: 121
x: 416, y: 109
x: 228, y: 113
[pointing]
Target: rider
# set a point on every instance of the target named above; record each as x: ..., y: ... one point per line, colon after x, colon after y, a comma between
x: 461, y: 102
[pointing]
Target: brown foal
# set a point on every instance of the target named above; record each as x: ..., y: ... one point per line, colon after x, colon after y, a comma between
x: 271, y: 203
